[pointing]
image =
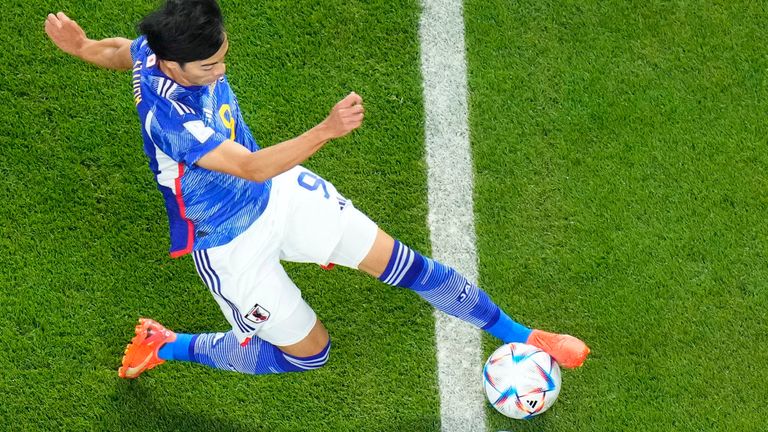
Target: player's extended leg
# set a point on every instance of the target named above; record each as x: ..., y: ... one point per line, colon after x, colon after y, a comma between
x: 447, y: 290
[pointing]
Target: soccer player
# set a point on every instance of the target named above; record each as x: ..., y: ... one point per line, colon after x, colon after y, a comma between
x: 239, y: 209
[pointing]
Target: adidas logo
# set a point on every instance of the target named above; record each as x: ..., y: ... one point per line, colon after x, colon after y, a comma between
x: 532, y: 403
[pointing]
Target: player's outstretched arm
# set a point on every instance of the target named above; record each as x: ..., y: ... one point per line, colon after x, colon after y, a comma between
x: 111, y: 53
x: 232, y: 158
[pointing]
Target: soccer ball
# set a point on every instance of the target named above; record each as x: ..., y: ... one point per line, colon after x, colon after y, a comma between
x: 521, y: 381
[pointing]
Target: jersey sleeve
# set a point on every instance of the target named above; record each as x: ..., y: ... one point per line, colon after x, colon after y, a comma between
x: 185, y: 138
x: 136, y: 46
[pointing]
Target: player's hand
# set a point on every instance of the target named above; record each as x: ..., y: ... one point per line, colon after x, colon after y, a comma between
x: 65, y: 33
x: 346, y: 116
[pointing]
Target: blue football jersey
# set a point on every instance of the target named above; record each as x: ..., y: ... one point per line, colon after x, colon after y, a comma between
x: 179, y: 126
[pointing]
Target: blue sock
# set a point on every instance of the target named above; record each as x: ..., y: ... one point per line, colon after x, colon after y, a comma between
x: 508, y: 330
x: 449, y: 291
x: 180, y: 349
x: 222, y: 351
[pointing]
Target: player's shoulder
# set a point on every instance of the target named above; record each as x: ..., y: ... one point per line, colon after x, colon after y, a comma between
x: 156, y: 94
x: 169, y: 114
x: 140, y: 50
x: 168, y: 101
x: 173, y: 96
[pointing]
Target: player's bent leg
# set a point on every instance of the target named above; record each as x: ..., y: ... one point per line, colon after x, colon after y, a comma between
x: 154, y: 344
x: 449, y: 291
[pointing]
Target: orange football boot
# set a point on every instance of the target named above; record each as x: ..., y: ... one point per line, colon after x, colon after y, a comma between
x: 141, y: 353
x: 568, y: 351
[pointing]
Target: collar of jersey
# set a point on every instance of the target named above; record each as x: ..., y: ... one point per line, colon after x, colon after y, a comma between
x: 156, y: 71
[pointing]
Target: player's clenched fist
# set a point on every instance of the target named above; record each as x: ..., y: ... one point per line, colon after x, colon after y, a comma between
x: 65, y: 33
x: 346, y: 116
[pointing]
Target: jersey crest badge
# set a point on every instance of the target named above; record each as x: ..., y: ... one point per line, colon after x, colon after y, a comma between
x: 257, y: 315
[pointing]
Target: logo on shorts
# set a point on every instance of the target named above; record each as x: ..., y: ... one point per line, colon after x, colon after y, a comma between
x: 257, y: 315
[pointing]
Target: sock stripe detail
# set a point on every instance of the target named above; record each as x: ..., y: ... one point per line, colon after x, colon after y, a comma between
x: 222, y: 351
x: 313, y: 362
x: 409, y: 256
x: 440, y: 285
x: 398, y: 259
x: 403, y: 258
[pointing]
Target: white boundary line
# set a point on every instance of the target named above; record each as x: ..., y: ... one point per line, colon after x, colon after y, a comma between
x: 451, y: 214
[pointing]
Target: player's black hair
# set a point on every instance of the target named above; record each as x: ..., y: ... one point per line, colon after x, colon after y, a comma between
x: 184, y: 30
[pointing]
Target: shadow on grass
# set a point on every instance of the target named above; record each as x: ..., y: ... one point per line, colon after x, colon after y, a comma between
x: 137, y: 407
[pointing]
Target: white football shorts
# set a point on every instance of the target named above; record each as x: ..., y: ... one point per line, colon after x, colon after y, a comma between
x: 306, y: 220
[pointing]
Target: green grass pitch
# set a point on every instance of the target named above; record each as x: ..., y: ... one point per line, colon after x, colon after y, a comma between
x: 621, y: 195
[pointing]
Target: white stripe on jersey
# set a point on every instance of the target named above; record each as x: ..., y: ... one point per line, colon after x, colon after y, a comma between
x: 148, y: 126
x: 169, y: 168
x: 169, y: 93
x: 163, y: 88
x: 160, y: 84
x: 178, y: 107
x: 181, y: 108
